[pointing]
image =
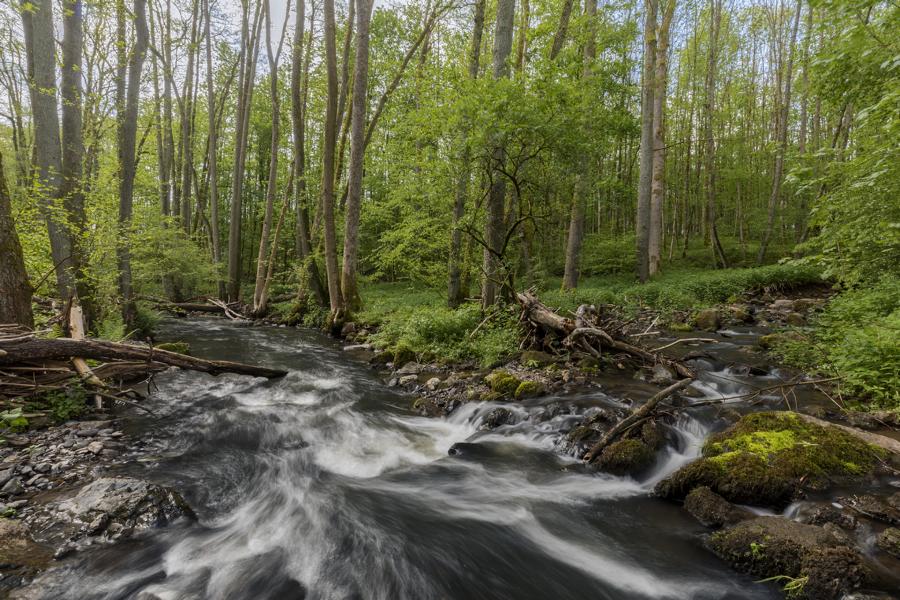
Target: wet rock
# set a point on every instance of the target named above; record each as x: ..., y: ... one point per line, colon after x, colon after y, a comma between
x: 534, y: 358
x: 433, y: 383
x: 357, y: 347
x: 408, y: 379
x: 712, y: 510
x: 873, y: 507
x: 496, y: 418
x: 782, y: 304
x: 771, y: 458
x: 795, y: 319
x: 889, y: 541
x: 828, y: 514
x: 626, y: 457
x: 133, y: 503
x: 773, y: 546
x: 707, y: 319
x: 662, y: 375
x: 5, y: 476
x: 95, y: 448
x: 741, y: 313
x: 20, y: 556
x: 767, y: 342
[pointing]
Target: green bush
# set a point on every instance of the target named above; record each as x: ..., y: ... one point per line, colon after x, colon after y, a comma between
x: 66, y: 404
x: 13, y: 420
x: 857, y: 337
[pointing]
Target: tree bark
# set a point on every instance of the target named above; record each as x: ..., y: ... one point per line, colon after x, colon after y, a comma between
x: 575, y: 238
x: 712, y: 59
x: 15, y: 301
x: 349, y: 287
x: 330, y: 133
x: 127, y: 140
x: 37, y: 22
x: 658, y: 182
x: 246, y: 80
x: 645, y: 180
x: 494, y: 220
x: 187, y: 125
x: 212, y: 159
x: 455, y: 290
x: 784, y: 113
x: 559, y: 38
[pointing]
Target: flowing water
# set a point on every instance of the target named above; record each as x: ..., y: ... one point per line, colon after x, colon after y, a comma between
x: 324, y: 484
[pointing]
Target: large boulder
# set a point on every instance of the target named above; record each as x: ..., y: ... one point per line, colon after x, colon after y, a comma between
x: 770, y: 458
x: 707, y: 319
x: 808, y: 560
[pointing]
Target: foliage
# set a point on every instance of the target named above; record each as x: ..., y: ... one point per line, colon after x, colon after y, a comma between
x: 66, y: 404
x: 13, y: 420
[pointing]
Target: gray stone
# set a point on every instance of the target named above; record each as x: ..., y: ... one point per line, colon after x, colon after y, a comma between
x: 95, y: 448
x: 433, y: 383
x: 411, y: 368
x: 408, y: 379
x: 43, y: 467
x: 13, y: 487
x: 5, y: 476
x: 707, y: 319
x: 782, y: 304
x: 87, y: 432
x: 662, y: 374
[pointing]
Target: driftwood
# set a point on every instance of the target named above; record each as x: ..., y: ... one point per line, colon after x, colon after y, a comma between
x: 211, y: 306
x: 583, y: 333
x: 645, y: 411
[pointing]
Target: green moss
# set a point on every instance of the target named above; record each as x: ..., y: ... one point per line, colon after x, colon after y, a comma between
x: 529, y: 389
x: 177, y: 347
x: 766, y: 458
x: 680, y: 326
x: 402, y: 355
x: 503, y: 382
x: 626, y: 457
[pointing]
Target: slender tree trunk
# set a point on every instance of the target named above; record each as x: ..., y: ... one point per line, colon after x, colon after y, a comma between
x: 658, y: 182
x: 559, y: 37
x: 37, y: 21
x: 646, y: 157
x: 456, y: 292
x: 246, y: 80
x: 780, y: 149
x: 494, y: 221
x: 349, y: 287
x: 328, y: 158
x: 127, y: 142
x: 15, y: 301
x: 582, y: 183
x: 715, y: 20
x: 212, y: 159
x: 187, y: 130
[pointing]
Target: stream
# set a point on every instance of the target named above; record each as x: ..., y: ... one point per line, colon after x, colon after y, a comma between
x: 325, y: 484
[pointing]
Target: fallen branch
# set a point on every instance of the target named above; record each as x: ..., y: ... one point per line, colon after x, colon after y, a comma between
x: 685, y: 341
x: 638, y: 415
x: 65, y: 348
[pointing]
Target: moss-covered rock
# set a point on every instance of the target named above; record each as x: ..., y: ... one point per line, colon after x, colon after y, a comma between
x: 503, y: 382
x: 768, y: 458
x: 707, y: 319
x: 402, y: 355
x: 626, y: 457
x: 535, y: 358
x: 177, y: 347
x: 772, y: 340
x: 808, y: 560
x: 529, y: 389
x: 889, y: 541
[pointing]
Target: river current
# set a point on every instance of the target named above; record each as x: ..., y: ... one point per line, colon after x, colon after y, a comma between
x: 326, y: 485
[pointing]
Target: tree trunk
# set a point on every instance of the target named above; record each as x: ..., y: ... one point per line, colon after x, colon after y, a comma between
x: 246, y: 79
x: 37, y: 21
x: 127, y: 140
x: 715, y: 20
x: 187, y: 125
x: 299, y: 93
x: 658, y: 182
x: 349, y: 285
x: 582, y: 183
x: 645, y: 180
x: 780, y: 149
x: 494, y: 221
x: 456, y: 292
x: 213, y: 160
x: 330, y: 133
x: 560, y: 37
x: 15, y: 301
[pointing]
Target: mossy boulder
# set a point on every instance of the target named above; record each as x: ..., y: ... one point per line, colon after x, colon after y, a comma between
x: 402, y: 355
x: 503, y: 382
x: 889, y: 541
x: 707, y: 319
x: 773, y: 340
x: 529, y: 389
x: 534, y: 358
x: 177, y: 347
x: 626, y: 457
x: 808, y: 560
x: 769, y: 458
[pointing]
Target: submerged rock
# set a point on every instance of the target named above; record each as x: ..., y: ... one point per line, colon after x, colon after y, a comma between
x: 818, y: 565
x: 496, y: 418
x: 770, y: 458
x: 20, y: 556
x: 626, y: 457
x: 889, y: 541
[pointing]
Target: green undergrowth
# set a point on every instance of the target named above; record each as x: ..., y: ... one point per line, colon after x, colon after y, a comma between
x: 415, y: 321
x: 857, y: 338
x: 684, y: 288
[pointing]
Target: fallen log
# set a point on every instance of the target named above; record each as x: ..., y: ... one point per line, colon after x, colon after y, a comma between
x: 35, y: 349
x: 638, y: 415
x: 580, y: 331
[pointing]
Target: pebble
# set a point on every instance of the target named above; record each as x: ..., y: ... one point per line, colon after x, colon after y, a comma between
x: 95, y: 447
